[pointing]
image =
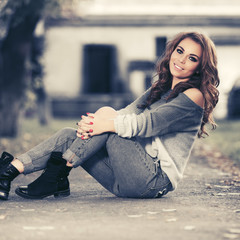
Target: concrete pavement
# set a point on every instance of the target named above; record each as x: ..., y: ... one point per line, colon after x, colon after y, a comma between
x: 203, y: 207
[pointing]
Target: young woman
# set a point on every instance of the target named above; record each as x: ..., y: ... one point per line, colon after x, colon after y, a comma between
x: 140, y: 151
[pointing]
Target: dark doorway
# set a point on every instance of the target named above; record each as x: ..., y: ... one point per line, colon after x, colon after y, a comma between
x: 160, y: 45
x: 99, y: 65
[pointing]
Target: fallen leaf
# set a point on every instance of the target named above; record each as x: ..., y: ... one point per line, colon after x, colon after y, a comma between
x: 29, y: 228
x: 231, y: 236
x: 169, y: 210
x: 234, y: 230
x: 152, y: 212
x: 236, y: 194
x: 220, y: 186
x: 28, y: 210
x: 189, y: 228
x: 217, y: 154
x: 135, y: 216
x: 60, y: 209
x: 27, y: 136
x: 171, y: 220
x: 221, y: 194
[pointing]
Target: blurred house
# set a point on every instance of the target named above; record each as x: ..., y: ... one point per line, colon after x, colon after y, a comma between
x: 105, y: 54
x: 234, y: 100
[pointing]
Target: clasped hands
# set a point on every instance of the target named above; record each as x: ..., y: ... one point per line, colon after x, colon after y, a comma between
x: 96, y: 123
x: 87, y: 126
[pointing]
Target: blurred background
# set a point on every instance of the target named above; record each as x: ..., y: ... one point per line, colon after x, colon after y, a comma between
x: 62, y: 58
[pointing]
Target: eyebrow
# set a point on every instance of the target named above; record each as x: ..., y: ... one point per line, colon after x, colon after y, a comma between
x: 190, y: 53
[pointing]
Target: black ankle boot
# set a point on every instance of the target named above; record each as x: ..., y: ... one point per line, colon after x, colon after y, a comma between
x: 53, y: 181
x: 63, y: 186
x: 5, y: 159
x: 7, y: 173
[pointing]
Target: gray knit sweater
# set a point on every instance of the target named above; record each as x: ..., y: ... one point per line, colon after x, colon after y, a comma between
x: 166, y: 130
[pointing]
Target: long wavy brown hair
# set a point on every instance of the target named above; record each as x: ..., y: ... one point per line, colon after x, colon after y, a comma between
x: 206, y: 77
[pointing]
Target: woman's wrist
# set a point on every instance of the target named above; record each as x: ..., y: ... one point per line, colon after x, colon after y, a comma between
x: 109, y: 125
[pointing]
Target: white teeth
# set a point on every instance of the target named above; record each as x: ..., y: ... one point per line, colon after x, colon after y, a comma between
x: 178, y: 67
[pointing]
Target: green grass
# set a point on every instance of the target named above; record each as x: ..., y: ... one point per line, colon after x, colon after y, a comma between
x: 31, y: 133
x: 32, y: 126
x: 226, y: 138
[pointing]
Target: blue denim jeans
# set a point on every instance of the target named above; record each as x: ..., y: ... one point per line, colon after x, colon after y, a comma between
x: 119, y: 164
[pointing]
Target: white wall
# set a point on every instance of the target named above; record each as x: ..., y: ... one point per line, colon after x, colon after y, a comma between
x: 63, y: 56
x: 229, y: 71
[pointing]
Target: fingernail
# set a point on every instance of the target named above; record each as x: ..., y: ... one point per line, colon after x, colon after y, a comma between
x: 88, y: 113
x: 90, y: 130
x: 91, y: 123
x: 82, y: 116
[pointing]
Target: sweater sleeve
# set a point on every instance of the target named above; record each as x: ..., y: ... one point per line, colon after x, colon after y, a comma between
x: 133, y: 107
x: 180, y: 114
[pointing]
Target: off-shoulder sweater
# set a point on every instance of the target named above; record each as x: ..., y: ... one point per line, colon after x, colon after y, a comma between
x: 166, y: 130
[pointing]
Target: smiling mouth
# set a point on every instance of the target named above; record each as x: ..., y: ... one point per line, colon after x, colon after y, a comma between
x: 176, y: 66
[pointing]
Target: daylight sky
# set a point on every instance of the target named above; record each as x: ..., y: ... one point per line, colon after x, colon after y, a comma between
x: 161, y: 7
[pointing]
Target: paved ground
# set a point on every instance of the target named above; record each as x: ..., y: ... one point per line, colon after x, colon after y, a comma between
x: 205, y: 206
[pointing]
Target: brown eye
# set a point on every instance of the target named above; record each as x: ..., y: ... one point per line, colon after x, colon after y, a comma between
x: 179, y: 51
x: 193, y: 59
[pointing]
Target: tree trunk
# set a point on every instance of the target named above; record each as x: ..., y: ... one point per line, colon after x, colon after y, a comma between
x: 14, y: 52
x: 13, y: 85
x: 10, y: 106
x: 38, y: 45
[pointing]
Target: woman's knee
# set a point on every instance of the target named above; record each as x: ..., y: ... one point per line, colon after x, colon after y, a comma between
x: 67, y: 132
x: 106, y: 112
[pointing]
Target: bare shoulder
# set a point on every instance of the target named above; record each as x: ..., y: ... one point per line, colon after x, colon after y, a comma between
x: 195, y: 95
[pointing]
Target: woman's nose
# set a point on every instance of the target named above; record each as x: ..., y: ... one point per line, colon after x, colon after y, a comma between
x: 182, y: 59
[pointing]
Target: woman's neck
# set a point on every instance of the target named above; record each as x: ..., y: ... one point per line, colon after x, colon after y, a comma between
x: 175, y: 81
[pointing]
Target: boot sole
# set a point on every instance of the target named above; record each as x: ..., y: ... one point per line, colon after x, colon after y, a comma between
x: 3, y: 164
x: 4, y: 195
x: 63, y: 193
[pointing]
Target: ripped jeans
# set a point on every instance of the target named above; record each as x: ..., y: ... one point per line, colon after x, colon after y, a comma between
x: 119, y: 164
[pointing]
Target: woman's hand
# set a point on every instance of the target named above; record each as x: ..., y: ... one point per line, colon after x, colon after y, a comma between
x: 84, y: 127
x: 98, y: 123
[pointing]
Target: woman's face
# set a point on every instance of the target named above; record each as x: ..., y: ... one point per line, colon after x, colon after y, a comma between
x: 185, y: 60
